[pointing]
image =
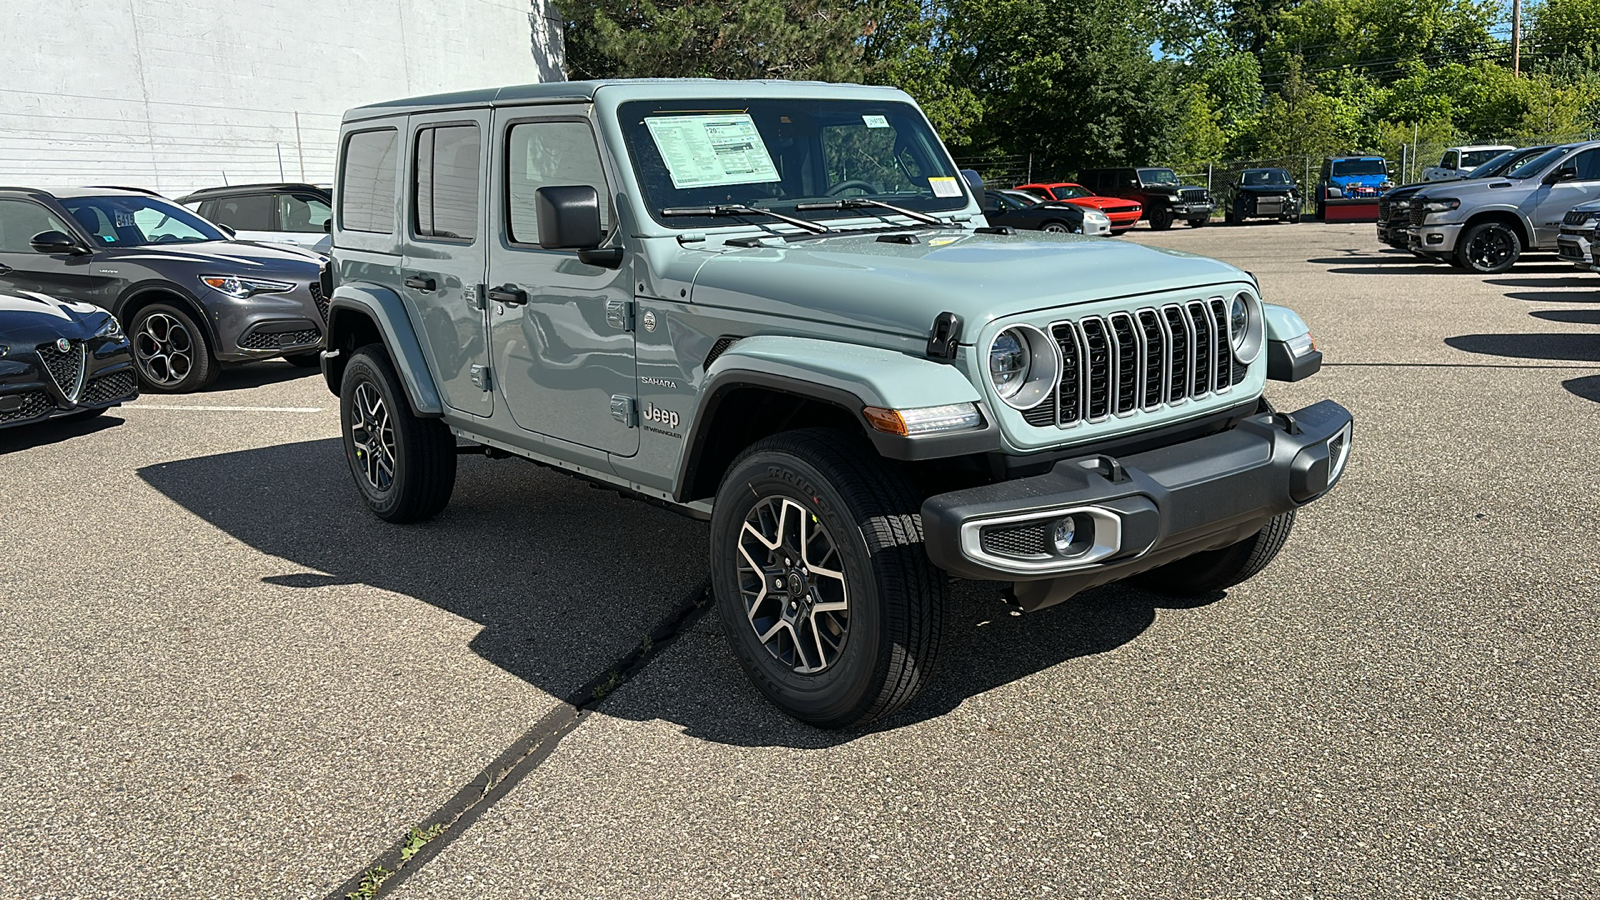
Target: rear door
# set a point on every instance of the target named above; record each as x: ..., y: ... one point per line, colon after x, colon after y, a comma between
x: 302, y: 219
x: 443, y: 251
x: 249, y: 215
x: 563, y: 349
x: 1553, y: 200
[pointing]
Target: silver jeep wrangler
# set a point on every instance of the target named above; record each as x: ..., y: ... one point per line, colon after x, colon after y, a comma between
x: 778, y: 307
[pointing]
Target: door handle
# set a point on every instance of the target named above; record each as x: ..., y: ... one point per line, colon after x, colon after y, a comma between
x: 4, y: 268
x: 509, y: 295
x: 421, y: 283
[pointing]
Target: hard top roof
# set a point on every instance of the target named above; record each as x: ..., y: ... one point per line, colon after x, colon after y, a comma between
x: 252, y: 188
x: 69, y: 193
x: 577, y: 91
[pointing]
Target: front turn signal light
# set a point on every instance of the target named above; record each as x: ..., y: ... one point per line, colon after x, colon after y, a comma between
x: 924, y: 419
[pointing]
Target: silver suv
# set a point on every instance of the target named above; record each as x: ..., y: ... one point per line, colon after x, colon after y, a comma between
x: 779, y: 307
x: 1484, y: 225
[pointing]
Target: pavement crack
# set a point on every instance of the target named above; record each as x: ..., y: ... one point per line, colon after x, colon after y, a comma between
x: 424, y: 840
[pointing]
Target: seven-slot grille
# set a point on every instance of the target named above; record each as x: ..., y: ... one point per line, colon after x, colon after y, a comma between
x: 1192, y: 195
x: 66, y: 368
x: 1125, y: 362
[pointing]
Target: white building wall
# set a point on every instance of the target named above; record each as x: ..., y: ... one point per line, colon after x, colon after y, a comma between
x: 181, y: 94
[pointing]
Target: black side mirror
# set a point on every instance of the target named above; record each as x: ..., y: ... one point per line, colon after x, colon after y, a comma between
x: 56, y: 242
x: 569, y: 219
x: 327, y: 227
x: 1568, y: 172
x: 227, y: 230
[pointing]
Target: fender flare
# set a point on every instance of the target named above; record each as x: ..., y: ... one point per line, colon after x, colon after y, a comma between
x: 162, y: 286
x: 1283, y: 325
x: 850, y: 377
x: 385, y: 309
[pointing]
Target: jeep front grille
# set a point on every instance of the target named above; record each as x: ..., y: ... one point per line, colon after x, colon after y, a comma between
x: 1128, y: 362
x: 66, y: 368
x: 1192, y: 195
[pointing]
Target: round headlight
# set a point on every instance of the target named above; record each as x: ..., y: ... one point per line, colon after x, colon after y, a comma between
x: 1239, y: 319
x: 1009, y: 361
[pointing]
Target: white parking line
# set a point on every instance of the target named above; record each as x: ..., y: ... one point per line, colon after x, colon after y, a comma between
x: 272, y: 409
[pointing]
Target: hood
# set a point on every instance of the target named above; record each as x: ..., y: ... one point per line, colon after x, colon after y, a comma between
x: 1471, y: 187
x: 1099, y: 202
x: 861, y: 282
x: 232, y: 257
x: 1268, y: 189
x: 27, y: 319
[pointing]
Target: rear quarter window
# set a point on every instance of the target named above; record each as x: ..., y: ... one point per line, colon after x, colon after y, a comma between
x: 367, y: 181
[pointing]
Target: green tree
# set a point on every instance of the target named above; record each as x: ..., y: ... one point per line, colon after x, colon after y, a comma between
x: 1378, y: 38
x: 1199, y: 138
x: 1559, y: 29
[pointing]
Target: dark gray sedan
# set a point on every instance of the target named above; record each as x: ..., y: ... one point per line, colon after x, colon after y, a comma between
x: 191, y: 298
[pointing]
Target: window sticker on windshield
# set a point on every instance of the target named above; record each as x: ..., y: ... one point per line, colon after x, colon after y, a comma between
x: 710, y: 150
x: 876, y: 121
x: 944, y: 186
x: 124, y: 219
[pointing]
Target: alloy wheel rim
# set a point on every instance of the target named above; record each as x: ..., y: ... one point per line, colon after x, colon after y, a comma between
x: 164, y: 349
x: 372, y: 436
x: 792, y: 582
x: 1490, y: 248
x: 1053, y: 228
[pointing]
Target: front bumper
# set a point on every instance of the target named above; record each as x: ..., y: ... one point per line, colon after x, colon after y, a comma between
x: 1192, y: 210
x: 267, y: 325
x: 1140, y: 511
x: 102, y: 377
x: 1575, y: 247
x: 1434, y: 238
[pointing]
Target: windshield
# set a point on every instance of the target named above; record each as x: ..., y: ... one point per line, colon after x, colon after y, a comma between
x: 1272, y: 177
x: 1539, y: 163
x: 1158, y: 176
x: 1021, y: 198
x: 130, y: 221
x: 1507, y: 160
x: 1348, y: 167
x: 779, y: 153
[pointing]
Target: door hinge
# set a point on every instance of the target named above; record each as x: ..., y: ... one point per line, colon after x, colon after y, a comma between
x: 619, y: 314
x: 479, y: 298
x: 480, y: 377
x: 622, y: 409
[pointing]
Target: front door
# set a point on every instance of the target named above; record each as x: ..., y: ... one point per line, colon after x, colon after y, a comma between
x: 563, y: 342
x: 443, y: 264
x: 65, y: 276
x: 1555, y: 199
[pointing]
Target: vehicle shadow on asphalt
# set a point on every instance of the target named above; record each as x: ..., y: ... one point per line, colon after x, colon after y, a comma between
x: 53, y: 431
x: 566, y: 579
x: 1569, y: 316
x: 1553, y: 297
x: 1563, y: 347
x: 1568, y: 282
x: 1587, y: 387
x: 258, y: 374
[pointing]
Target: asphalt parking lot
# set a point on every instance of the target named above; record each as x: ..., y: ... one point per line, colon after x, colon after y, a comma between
x: 222, y: 678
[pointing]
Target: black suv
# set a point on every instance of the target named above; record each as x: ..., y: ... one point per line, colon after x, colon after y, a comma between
x: 281, y: 213
x: 190, y: 297
x: 1164, y: 198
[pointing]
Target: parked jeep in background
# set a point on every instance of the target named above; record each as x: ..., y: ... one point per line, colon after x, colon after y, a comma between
x: 1394, y: 207
x: 1261, y: 194
x: 1456, y: 162
x: 1351, y: 178
x: 778, y: 306
x: 1485, y: 224
x: 1158, y: 190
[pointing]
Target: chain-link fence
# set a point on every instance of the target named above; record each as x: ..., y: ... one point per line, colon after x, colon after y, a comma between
x: 1000, y: 171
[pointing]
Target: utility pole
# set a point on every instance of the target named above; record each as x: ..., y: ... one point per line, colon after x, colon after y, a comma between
x: 1516, y: 37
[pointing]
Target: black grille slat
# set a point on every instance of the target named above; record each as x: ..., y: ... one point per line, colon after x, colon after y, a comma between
x: 1070, y: 388
x: 1224, y: 353
x: 1192, y: 195
x: 34, y: 405
x: 106, y: 388
x: 1575, y: 217
x: 1127, y: 357
x: 1155, y: 349
x: 1043, y: 414
x: 1204, y: 349
x: 1097, y: 367
x: 1178, y: 373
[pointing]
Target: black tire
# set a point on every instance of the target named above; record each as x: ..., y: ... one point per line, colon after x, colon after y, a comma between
x: 1199, y: 223
x: 1488, y: 248
x: 380, y: 432
x: 1216, y: 570
x: 1322, y: 211
x: 1160, y: 219
x: 1294, y: 218
x: 310, y: 360
x: 1234, y: 214
x: 171, y: 352
x: 869, y: 540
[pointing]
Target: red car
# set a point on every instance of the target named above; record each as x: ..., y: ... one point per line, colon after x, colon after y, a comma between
x: 1124, y: 214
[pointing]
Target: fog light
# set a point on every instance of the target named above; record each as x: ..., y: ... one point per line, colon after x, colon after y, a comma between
x: 1435, y: 238
x: 1062, y: 534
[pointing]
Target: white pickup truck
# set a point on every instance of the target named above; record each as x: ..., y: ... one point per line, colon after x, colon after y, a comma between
x: 1456, y: 162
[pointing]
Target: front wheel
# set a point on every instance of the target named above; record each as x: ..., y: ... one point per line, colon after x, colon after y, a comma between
x: 1160, y: 219
x: 170, y: 351
x: 1199, y: 223
x: 1488, y: 248
x: 825, y: 591
x: 1054, y: 227
x: 1216, y: 570
x: 404, y: 465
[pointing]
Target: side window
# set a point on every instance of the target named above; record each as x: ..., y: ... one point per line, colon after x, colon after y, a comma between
x: 1588, y: 163
x: 302, y: 213
x: 549, y: 154
x: 206, y: 209
x: 1450, y: 160
x: 20, y: 220
x: 366, y: 181
x: 445, y: 183
x: 247, y: 212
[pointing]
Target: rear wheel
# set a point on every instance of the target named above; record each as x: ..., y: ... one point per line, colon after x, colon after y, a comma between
x: 170, y: 351
x: 404, y: 465
x: 1216, y: 570
x: 827, y: 596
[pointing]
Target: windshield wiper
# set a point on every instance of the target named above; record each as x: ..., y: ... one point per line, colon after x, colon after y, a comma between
x: 864, y: 202
x: 741, y: 210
